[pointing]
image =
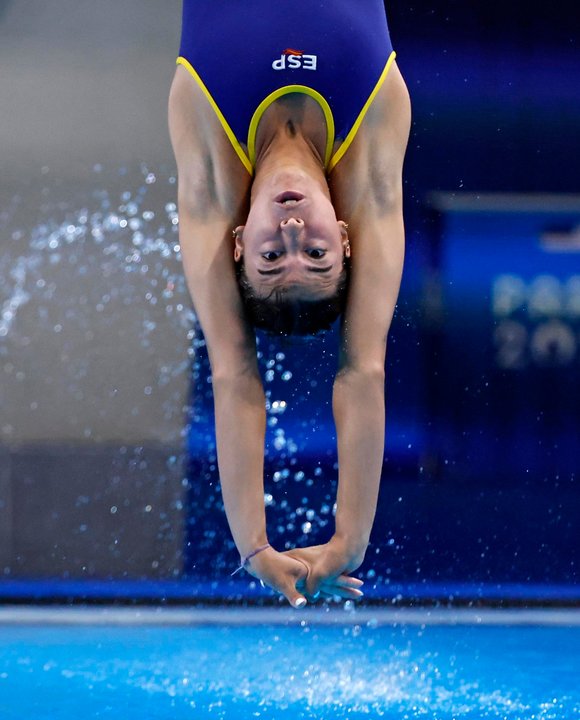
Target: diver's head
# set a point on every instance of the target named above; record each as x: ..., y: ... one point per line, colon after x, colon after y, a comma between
x: 292, y: 257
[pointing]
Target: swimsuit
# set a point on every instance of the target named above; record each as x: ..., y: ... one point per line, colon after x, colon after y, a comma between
x: 245, y: 54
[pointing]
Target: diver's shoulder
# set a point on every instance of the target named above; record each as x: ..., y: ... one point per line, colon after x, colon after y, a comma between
x: 211, y: 177
x: 384, y: 132
x: 392, y: 105
x: 370, y: 173
x: 189, y: 119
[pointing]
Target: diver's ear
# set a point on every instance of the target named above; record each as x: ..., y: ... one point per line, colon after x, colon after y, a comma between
x: 345, y: 241
x: 239, y: 243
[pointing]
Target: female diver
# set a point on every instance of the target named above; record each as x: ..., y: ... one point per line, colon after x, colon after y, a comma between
x: 289, y: 122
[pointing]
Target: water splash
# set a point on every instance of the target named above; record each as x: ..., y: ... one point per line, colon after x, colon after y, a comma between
x: 313, y: 672
x: 80, y: 279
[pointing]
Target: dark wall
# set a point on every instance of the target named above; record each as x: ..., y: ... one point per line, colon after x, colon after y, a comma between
x: 495, y: 95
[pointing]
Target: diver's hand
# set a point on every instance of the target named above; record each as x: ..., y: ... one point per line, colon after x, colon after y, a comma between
x: 329, y: 567
x: 280, y: 572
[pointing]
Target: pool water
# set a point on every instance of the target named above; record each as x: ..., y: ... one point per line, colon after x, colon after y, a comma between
x: 272, y: 671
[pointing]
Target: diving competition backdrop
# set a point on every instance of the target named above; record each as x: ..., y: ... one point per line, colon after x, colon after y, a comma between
x: 108, y: 475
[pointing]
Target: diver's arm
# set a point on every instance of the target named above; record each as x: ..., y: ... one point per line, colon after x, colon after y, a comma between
x: 377, y: 238
x: 239, y: 400
x: 358, y: 393
x: 207, y: 214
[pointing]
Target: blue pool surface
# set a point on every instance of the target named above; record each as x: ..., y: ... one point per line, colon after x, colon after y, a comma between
x: 368, y: 667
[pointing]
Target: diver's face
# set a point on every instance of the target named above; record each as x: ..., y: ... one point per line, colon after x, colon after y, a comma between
x: 292, y: 241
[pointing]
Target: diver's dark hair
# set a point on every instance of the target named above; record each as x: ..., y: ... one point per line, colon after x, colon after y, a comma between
x: 280, y: 314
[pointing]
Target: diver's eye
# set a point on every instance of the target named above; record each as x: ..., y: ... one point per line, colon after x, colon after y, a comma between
x: 316, y: 253
x: 271, y: 255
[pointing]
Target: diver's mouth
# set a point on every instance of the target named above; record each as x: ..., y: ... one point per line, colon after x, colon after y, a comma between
x: 289, y: 198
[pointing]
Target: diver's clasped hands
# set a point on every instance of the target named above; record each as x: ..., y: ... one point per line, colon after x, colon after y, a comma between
x: 307, y: 574
x: 329, y: 567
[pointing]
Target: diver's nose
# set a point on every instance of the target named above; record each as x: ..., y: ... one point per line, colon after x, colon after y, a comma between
x: 292, y: 229
x: 292, y: 223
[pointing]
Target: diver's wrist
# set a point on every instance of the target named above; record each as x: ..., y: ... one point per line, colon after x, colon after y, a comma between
x: 247, y: 545
x: 351, y: 546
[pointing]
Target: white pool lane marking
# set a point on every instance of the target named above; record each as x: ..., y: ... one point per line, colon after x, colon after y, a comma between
x: 152, y: 615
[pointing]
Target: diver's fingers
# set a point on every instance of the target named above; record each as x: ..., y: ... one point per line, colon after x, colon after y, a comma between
x: 313, y: 583
x: 291, y: 593
x: 348, y: 581
x: 344, y: 581
x: 341, y: 592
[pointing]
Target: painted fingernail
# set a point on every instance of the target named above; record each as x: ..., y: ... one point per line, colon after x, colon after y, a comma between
x: 316, y: 595
x: 301, y: 602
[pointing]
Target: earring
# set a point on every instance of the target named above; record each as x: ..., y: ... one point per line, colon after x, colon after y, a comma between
x: 234, y: 234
